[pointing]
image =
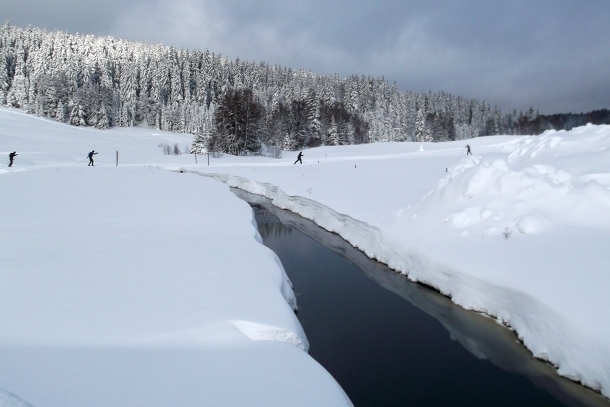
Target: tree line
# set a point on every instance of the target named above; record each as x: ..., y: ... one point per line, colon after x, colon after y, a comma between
x: 232, y: 106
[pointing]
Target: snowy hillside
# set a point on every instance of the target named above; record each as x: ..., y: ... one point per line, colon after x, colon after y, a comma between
x: 134, y: 285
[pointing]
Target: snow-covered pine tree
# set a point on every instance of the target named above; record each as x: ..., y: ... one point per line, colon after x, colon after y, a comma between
x: 288, y: 142
x: 199, y: 145
x: 78, y: 116
x: 102, y: 121
x: 332, y: 137
x: 428, y: 135
x: 313, y: 118
x: 420, y: 123
x: 18, y: 94
x: 60, y: 113
x: 4, y: 77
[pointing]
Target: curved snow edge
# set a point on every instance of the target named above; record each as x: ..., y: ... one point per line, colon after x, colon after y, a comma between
x: 261, y: 332
x: 466, y: 291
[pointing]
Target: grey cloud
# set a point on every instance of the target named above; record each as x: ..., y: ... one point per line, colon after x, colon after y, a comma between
x: 81, y: 16
x: 550, y: 54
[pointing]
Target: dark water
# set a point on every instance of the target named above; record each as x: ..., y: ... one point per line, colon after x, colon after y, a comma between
x: 390, y: 342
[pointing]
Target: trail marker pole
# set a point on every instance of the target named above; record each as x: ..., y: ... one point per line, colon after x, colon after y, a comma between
x: 208, y: 159
x: 117, y: 158
x: 195, y: 157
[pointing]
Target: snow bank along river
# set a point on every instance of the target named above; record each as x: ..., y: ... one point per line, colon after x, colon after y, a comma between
x: 113, y: 296
x: 518, y: 231
x: 389, y: 341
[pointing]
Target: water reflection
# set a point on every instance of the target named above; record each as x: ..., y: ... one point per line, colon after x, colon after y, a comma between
x: 478, y: 334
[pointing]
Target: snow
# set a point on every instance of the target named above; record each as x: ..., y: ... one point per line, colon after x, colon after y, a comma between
x: 135, y: 285
x: 518, y: 231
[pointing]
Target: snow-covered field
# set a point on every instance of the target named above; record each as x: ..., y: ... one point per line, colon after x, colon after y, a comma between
x: 518, y: 231
x: 134, y: 285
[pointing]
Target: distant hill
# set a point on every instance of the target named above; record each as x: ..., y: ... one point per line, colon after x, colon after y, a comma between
x: 232, y: 105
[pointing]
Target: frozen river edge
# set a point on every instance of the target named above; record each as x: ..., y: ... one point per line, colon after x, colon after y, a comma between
x: 465, y: 291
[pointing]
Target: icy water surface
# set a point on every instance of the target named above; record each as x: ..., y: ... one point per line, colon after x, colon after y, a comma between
x: 390, y: 342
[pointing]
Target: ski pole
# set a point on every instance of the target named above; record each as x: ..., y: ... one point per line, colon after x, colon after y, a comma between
x: 80, y: 161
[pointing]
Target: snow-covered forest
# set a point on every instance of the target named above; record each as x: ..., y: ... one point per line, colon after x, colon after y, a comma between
x: 229, y: 105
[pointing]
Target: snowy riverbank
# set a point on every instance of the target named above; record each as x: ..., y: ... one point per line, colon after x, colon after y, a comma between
x: 518, y: 231
x: 134, y: 285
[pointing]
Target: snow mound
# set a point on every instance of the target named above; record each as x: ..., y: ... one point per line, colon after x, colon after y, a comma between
x: 530, y: 224
x: 553, y: 179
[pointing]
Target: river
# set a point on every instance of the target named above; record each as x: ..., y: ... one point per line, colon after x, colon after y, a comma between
x: 391, y: 342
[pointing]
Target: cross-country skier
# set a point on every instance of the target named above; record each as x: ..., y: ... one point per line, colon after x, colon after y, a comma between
x: 299, y: 158
x: 468, y: 150
x: 90, y: 156
x: 11, y: 156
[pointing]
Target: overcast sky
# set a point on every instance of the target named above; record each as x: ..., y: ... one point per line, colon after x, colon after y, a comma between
x: 553, y: 55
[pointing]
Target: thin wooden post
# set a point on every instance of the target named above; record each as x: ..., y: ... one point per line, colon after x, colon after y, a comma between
x: 195, y: 157
x: 208, y: 159
x: 117, y: 158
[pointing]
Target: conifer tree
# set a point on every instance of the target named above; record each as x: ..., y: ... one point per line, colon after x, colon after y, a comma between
x: 78, y: 115
x: 420, y: 123
x: 237, y: 120
x: 102, y: 121
x: 332, y: 138
x: 60, y: 114
x: 199, y: 145
x: 4, y: 79
x: 107, y: 82
x: 313, y: 117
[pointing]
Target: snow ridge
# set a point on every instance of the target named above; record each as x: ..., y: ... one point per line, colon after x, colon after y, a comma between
x: 537, y: 325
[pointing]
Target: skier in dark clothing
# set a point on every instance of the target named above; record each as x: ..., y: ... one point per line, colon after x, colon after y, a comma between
x: 299, y: 158
x: 11, y: 156
x: 468, y: 150
x: 90, y: 156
